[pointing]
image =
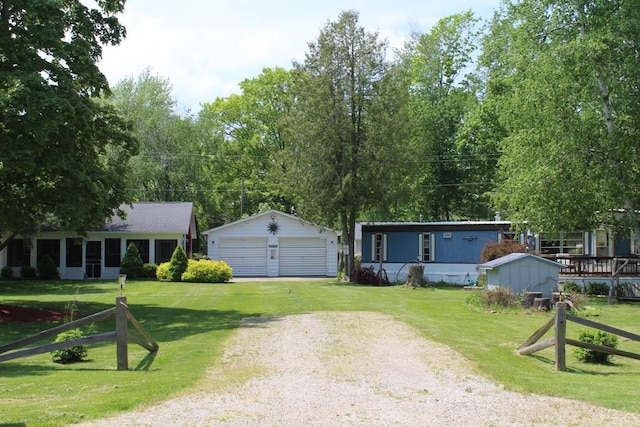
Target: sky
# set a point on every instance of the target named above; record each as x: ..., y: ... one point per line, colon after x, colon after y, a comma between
x: 205, y: 48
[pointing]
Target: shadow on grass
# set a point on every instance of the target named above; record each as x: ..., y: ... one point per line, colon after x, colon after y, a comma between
x: 163, y: 324
x: 604, y: 370
x: 57, y: 287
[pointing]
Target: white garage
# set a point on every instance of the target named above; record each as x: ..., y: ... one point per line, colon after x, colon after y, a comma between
x: 274, y: 244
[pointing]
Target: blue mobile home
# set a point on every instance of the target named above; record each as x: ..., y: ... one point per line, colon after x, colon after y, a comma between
x: 449, y: 251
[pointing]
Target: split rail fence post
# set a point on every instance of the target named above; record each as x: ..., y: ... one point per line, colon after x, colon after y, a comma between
x: 122, y: 333
x: 561, y: 335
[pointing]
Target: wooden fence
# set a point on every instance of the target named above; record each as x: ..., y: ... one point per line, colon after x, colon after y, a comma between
x: 560, y: 339
x: 121, y: 336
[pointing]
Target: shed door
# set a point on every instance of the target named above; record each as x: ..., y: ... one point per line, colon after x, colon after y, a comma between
x: 303, y: 257
x: 246, y: 256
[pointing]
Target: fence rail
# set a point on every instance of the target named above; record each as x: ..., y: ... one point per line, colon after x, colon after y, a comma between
x: 560, y: 340
x: 121, y: 336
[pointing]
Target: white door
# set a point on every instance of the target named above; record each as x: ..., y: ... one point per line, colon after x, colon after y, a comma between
x: 303, y: 257
x: 245, y: 256
x: 273, y: 258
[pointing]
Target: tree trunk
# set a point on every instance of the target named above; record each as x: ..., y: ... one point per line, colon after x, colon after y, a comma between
x: 416, y: 276
x: 529, y: 297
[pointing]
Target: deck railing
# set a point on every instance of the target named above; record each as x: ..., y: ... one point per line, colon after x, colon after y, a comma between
x: 582, y: 265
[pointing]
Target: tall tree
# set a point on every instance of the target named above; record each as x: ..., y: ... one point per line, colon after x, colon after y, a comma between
x: 567, y: 84
x: 54, y: 134
x: 243, y: 136
x: 441, y: 97
x: 346, y: 127
x: 168, y: 164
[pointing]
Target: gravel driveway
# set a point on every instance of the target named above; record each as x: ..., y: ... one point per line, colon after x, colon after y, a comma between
x: 353, y: 369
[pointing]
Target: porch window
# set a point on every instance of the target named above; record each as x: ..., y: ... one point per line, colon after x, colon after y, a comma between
x: 565, y: 243
x: 164, y: 250
x: 49, y: 247
x: 143, y: 248
x: 113, y: 252
x: 427, y: 247
x: 74, y: 252
x: 19, y: 253
x: 379, y: 247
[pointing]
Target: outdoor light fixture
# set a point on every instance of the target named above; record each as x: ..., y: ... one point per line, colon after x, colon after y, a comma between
x: 122, y: 278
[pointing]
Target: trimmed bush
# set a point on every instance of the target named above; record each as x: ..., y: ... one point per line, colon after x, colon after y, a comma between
x: 6, y: 272
x: 207, y: 271
x: 28, y: 272
x: 162, y: 272
x: 178, y: 264
x: 71, y: 354
x: 149, y: 270
x: 47, y: 269
x: 599, y: 338
x: 132, y: 264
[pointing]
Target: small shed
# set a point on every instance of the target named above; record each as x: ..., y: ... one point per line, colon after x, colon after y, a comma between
x: 273, y: 244
x: 522, y: 272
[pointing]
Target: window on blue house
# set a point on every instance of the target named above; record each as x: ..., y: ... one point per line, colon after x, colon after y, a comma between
x: 427, y: 247
x: 379, y: 247
x: 562, y: 243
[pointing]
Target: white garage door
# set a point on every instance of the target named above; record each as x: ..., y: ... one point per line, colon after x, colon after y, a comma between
x: 303, y: 257
x: 247, y: 257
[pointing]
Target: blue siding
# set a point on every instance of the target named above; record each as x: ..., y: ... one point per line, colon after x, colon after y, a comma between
x: 461, y: 247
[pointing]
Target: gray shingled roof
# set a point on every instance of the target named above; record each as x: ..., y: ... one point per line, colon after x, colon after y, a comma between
x: 514, y: 257
x: 154, y: 217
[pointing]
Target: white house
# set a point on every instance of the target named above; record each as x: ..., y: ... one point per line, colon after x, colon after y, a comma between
x: 273, y: 244
x: 155, y: 228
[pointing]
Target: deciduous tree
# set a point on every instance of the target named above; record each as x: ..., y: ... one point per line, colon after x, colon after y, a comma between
x: 54, y: 134
x: 566, y: 85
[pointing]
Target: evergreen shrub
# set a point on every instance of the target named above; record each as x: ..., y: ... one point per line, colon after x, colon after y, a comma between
x: 162, y: 272
x: 71, y: 354
x: 178, y: 264
x: 47, y: 269
x: 132, y: 264
x: 599, y: 338
x: 207, y: 271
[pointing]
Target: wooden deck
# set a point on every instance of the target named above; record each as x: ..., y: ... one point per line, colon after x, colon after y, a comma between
x: 589, y: 266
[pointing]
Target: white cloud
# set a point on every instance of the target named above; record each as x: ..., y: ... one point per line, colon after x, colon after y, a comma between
x: 206, y: 47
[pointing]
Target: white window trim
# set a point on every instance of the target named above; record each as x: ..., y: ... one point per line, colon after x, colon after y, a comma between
x: 432, y: 247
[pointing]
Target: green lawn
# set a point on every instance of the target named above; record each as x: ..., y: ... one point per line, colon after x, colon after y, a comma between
x: 191, y: 321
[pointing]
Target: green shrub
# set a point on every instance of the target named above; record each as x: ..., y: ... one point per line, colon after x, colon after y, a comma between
x: 178, y: 264
x: 47, y: 269
x: 28, y: 272
x: 149, y: 270
x: 599, y: 338
x: 6, y: 272
x: 132, y: 264
x: 207, y: 271
x: 597, y: 288
x: 571, y: 288
x: 71, y: 354
x: 162, y: 272
x: 500, y: 297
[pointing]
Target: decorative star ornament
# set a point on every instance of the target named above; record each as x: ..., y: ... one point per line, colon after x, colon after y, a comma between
x: 273, y: 227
